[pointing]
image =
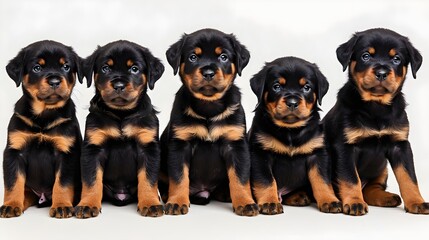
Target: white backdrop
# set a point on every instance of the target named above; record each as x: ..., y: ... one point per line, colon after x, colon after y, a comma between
x: 270, y: 29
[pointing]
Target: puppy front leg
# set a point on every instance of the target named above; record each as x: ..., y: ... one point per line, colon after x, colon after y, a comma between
x: 237, y: 158
x: 349, y: 183
x: 320, y: 180
x: 179, y: 153
x: 402, y: 163
x: 92, y: 182
x: 263, y: 184
x: 147, y: 194
x: 14, y: 186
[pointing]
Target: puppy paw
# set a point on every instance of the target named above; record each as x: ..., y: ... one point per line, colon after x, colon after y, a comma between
x: 176, y: 209
x: 297, y: 199
x: 392, y: 201
x: 271, y: 208
x: 248, y: 210
x: 331, y: 207
x: 61, y: 212
x: 10, y: 211
x: 355, y: 208
x: 418, y: 208
x: 151, y: 211
x: 87, y: 211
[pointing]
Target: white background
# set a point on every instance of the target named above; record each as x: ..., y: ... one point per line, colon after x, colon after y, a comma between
x: 270, y: 29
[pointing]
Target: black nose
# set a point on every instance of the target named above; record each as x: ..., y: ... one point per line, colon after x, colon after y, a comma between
x: 208, y: 74
x: 119, y: 86
x: 292, y: 103
x: 54, y: 82
x: 381, y: 75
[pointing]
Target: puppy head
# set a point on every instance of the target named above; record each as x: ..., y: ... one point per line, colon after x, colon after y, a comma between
x: 288, y: 89
x: 47, y: 71
x: 378, y: 61
x: 122, y: 71
x: 209, y: 61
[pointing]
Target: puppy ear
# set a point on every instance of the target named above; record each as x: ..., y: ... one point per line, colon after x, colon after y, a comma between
x: 15, y: 68
x: 242, y: 54
x: 174, y: 53
x: 78, y: 65
x: 345, y: 51
x: 155, y: 68
x: 322, y: 84
x: 88, y: 65
x: 257, y: 83
x: 416, y: 58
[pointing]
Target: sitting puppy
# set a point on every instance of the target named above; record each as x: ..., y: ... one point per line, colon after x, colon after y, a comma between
x: 368, y: 125
x: 204, y: 147
x: 120, y: 153
x: 41, y: 159
x: 286, y: 140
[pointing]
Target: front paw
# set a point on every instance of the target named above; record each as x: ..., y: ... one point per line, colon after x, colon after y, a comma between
x: 10, y: 211
x: 87, y: 211
x: 331, y: 207
x: 151, y: 211
x: 61, y: 212
x: 355, y: 208
x: 271, y: 208
x: 248, y: 210
x: 176, y: 209
x: 418, y: 208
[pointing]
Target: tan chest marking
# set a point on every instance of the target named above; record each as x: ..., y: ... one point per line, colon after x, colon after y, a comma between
x: 19, y: 139
x: 354, y: 135
x: 272, y: 144
x: 229, y: 132
x: 225, y: 114
x: 143, y: 135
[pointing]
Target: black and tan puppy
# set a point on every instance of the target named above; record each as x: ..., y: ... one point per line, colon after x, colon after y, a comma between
x: 368, y: 125
x: 41, y: 159
x: 204, y: 147
x: 121, y: 153
x: 288, y: 153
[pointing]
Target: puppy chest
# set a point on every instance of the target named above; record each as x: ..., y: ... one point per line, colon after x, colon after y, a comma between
x: 211, y: 133
x: 122, y: 135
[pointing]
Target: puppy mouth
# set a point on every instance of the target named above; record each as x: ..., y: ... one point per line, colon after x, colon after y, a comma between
x: 52, y: 99
x: 208, y: 90
x: 290, y: 118
x: 119, y: 101
x: 378, y: 90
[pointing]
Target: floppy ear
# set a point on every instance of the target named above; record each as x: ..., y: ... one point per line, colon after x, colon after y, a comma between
x: 322, y: 84
x: 345, y: 51
x: 257, y: 83
x: 241, y: 53
x: 174, y: 53
x: 88, y: 65
x: 15, y: 68
x: 78, y: 65
x: 155, y: 67
x: 416, y: 58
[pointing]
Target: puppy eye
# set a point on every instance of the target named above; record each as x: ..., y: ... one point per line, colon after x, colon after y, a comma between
x: 396, y: 60
x: 105, y: 69
x: 134, y: 69
x: 306, y: 88
x: 366, y: 56
x: 223, y: 57
x: 277, y: 87
x: 193, y: 57
x: 66, y: 68
x: 37, y: 68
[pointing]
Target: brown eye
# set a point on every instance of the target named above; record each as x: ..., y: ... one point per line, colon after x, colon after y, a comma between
x: 277, y: 87
x: 105, y: 69
x: 37, y: 68
x: 223, y: 57
x: 66, y: 68
x: 396, y: 60
x: 306, y: 88
x: 366, y: 56
x: 134, y: 69
x: 193, y: 57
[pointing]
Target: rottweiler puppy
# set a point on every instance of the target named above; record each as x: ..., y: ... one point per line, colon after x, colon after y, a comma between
x: 41, y: 159
x: 121, y: 153
x: 368, y: 125
x: 204, y: 150
x: 289, y: 158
